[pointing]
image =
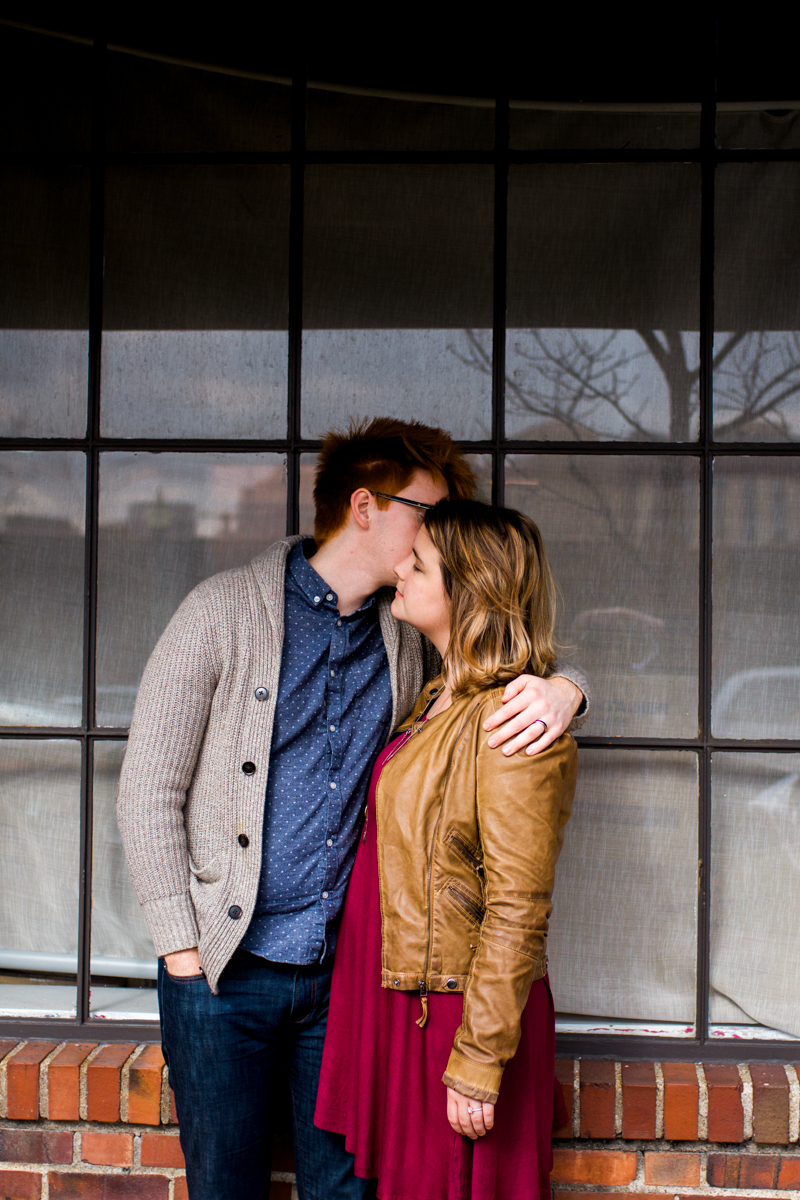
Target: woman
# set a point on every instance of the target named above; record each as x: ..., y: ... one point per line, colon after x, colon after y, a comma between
x: 440, y: 992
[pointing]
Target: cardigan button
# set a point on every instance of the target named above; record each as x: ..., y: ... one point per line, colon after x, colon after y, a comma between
x: 452, y: 984
x: 243, y: 840
x: 261, y: 693
x: 249, y: 768
x: 234, y: 912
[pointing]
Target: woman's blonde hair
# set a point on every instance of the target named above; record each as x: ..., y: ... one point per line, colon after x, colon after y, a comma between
x: 501, y: 593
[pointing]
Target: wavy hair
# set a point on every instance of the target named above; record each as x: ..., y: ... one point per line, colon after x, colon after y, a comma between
x: 501, y: 593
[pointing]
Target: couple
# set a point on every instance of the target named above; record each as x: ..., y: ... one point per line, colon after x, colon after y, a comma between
x: 241, y: 798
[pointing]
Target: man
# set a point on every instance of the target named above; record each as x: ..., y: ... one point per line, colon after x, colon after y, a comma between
x: 258, y: 718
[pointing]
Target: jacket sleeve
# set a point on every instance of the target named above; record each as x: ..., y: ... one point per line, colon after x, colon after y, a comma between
x: 169, y: 722
x: 521, y: 815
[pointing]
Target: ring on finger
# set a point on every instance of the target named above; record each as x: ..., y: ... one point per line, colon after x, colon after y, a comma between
x: 479, y: 1109
x: 543, y: 724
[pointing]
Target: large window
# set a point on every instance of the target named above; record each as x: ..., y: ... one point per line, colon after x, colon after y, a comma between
x: 205, y: 267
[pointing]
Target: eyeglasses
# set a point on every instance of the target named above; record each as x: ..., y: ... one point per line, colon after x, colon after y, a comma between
x: 401, y: 500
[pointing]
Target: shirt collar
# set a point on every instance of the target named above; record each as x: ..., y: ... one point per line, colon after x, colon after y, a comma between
x: 311, y: 584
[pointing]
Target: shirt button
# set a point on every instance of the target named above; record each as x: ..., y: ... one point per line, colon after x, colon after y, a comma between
x: 329, y: 596
x: 261, y: 693
x: 332, y: 674
x: 329, y: 842
x: 332, y: 728
x: 249, y: 768
x: 338, y: 622
x: 234, y: 912
x: 324, y: 895
x: 333, y: 787
x: 316, y: 599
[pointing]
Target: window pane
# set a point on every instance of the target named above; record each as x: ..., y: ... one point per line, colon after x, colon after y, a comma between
x: 755, y: 953
x: 167, y: 106
x: 41, y: 568
x: 603, y: 303
x: 343, y: 118
x: 757, y: 304
x: 756, y: 675
x: 166, y: 522
x: 40, y: 785
x: 123, y: 959
x: 44, y: 92
x: 622, y: 936
x: 748, y: 125
x: 622, y: 538
x: 196, y: 302
x: 552, y: 125
x: 44, y: 309
x: 397, y: 286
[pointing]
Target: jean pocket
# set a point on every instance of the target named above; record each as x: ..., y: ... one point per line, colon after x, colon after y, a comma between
x: 184, y: 978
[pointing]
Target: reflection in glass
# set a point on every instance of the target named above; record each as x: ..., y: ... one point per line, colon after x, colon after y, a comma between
x: 167, y: 521
x: 41, y: 568
x: 196, y: 302
x: 622, y: 934
x: 756, y: 664
x: 343, y: 118
x: 621, y: 535
x: 44, y: 302
x: 553, y: 125
x: 757, y: 303
x: 603, y: 300
x: 123, y: 959
x: 755, y: 891
x: 166, y: 106
x: 40, y: 786
x: 398, y: 264
x: 750, y: 125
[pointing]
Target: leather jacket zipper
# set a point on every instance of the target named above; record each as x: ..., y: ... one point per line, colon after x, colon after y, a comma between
x: 464, y: 849
x: 423, y: 983
x: 467, y: 902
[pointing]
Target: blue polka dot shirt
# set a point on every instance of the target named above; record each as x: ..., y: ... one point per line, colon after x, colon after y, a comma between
x: 333, y: 716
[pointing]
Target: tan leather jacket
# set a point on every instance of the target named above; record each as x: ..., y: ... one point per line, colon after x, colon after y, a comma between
x: 467, y: 846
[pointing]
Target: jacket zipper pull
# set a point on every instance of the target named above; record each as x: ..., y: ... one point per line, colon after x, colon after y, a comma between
x: 423, y: 995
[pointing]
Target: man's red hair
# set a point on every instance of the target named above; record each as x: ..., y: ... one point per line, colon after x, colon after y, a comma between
x: 382, y: 455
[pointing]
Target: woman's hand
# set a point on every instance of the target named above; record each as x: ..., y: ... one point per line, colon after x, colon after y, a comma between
x: 468, y: 1116
x: 536, y: 710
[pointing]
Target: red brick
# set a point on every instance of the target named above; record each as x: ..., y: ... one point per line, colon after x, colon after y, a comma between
x: 108, y: 1187
x: 681, y: 1100
x: 173, y: 1112
x: 23, y: 1080
x: 789, y: 1173
x: 144, y: 1087
x: 758, y: 1170
x: 280, y: 1191
x: 671, y: 1167
x: 64, y: 1081
x: 770, y: 1104
x: 161, y: 1150
x: 565, y: 1074
x: 559, y: 1195
x: 725, y: 1113
x: 102, y: 1082
x: 723, y: 1170
x: 20, y: 1185
x: 181, y: 1188
x: 614, y: 1167
x: 107, y: 1149
x: 6, y: 1047
x: 35, y: 1146
x: 597, y: 1099
x: 638, y: 1100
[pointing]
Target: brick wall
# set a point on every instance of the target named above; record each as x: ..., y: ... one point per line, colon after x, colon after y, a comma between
x: 87, y: 1121
x: 97, y: 1122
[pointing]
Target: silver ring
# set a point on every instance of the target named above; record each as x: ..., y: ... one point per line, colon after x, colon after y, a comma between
x: 474, y: 1110
x: 539, y: 721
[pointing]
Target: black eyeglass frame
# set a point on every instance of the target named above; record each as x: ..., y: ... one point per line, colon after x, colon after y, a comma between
x: 401, y: 500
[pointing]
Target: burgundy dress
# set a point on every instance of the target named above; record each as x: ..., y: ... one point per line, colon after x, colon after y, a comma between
x: 381, y: 1076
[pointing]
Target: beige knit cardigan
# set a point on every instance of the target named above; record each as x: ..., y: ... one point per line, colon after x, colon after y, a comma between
x: 191, y: 819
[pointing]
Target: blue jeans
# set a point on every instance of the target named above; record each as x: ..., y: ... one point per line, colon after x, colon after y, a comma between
x: 229, y: 1059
